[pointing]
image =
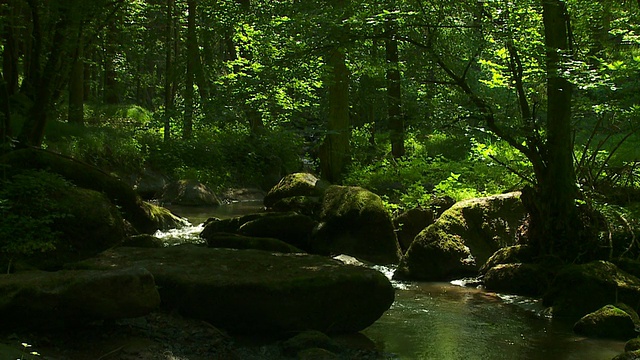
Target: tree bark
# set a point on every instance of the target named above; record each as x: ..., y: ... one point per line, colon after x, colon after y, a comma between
x: 76, y: 85
x: 555, y: 227
x: 192, y: 53
x: 39, y: 82
x: 5, y: 113
x: 394, y: 100
x: 334, y: 151
x: 169, y: 72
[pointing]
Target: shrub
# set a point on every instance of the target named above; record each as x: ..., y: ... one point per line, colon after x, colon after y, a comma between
x: 27, y: 214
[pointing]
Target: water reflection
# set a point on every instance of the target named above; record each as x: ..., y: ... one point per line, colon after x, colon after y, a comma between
x: 443, y: 321
x: 199, y: 214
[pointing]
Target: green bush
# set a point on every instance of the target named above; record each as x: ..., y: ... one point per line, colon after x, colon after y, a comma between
x: 27, y: 213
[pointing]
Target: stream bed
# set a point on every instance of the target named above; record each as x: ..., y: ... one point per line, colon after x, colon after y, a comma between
x: 450, y: 321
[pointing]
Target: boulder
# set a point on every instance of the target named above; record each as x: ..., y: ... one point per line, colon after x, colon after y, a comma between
x: 297, y: 184
x: 306, y: 205
x: 581, y: 289
x: 231, y: 225
x: 253, y: 291
x: 235, y: 241
x: 290, y: 227
x: 355, y: 222
x: 149, y: 184
x: 189, y: 193
x: 309, y: 340
x: 516, y: 278
x: 86, y: 223
x: 317, y: 354
x: 143, y: 240
x: 75, y: 297
x: 629, y: 355
x: 410, y: 223
x: 508, y: 255
x: 632, y: 345
x: 606, y: 322
x: 85, y: 176
x: 463, y: 238
x: 162, y: 218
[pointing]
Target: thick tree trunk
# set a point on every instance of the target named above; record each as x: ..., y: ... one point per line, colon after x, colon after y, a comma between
x: 555, y: 227
x: 394, y: 102
x: 39, y: 82
x: 334, y: 151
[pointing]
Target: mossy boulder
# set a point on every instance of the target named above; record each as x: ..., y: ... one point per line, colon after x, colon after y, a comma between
x: 296, y: 184
x: 463, y: 238
x: 252, y: 291
x: 606, y: 322
x: 38, y: 299
x: 306, y: 205
x: 508, y: 255
x: 517, y: 278
x: 161, y: 218
x: 86, y: 223
x: 235, y: 241
x: 409, y: 224
x: 629, y: 355
x: 632, y: 345
x: 353, y: 221
x: 581, y: 289
x: 629, y: 265
x: 83, y: 175
x: 290, y: 227
x: 189, y: 193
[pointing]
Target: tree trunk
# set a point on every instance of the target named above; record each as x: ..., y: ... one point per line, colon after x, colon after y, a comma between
x: 76, y: 85
x: 5, y: 113
x: 555, y: 228
x: 39, y: 82
x: 169, y: 72
x: 394, y: 104
x: 192, y: 53
x: 334, y: 151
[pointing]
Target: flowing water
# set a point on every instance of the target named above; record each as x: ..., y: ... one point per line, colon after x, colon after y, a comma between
x: 449, y: 321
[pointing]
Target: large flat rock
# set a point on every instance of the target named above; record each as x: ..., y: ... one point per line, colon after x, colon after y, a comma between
x: 73, y: 297
x: 253, y: 291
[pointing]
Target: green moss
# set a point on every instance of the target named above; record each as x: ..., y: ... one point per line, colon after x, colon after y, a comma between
x: 296, y: 184
x: 609, y: 321
x: 162, y: 218
x: 632, y: 345
x: 580, y: 289
x: 345, y: 201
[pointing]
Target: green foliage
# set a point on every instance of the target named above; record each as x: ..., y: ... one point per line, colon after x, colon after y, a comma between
x: 421, y: 175
x: 28, y: 211
x: 222, y: 157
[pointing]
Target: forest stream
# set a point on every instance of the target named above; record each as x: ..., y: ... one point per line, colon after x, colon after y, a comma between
x: 450, y: 321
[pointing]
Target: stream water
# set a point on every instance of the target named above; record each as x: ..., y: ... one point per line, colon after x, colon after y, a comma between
x: 449, y: 321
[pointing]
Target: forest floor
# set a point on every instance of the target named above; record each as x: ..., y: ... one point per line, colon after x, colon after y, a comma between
x: 158, y: 336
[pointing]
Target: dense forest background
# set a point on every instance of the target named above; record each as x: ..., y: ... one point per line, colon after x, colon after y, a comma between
x: 414, y: 99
